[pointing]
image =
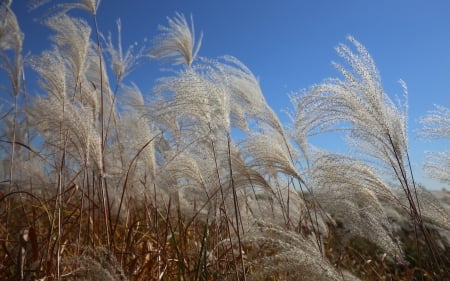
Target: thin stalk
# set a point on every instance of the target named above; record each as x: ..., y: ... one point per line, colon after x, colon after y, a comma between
x: 414, y: 206
x: 222, y: 207
x: 59, y: 202
x: 236, y: 209
x: 126, y: 179
x: 103, y: 184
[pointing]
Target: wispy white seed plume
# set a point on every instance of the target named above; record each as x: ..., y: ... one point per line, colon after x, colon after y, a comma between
x: 123, y: 63
x: 276, y: 253
x: 350, y: 192
x: 177, y: 41
x: 268, y: 154
x: 72, y: 38
x: 432, y: 210
x: 436, y: 124
x: 11, y: 37
x: 358, y: 105
x: 437, y: 166
x: 90, y: 6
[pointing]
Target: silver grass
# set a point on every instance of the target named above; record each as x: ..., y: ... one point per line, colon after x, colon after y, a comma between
x: 11, y: 40
x: 268, y: 154
x: 96, y: 264
x: 72, y: 38
x: 279, y: 204
x: 134, y: 123
x: 246, y: 97
x: 79, y: 117
x: 96, y: 79
x: 51, y: 67
x: 183, y: 181
x: 274, y: 252
x: 11, y: 37
x: 90, y: 6
x: 177, y: 41
x: 334, y: 169
x: 349, y: 191
x: 123, y: 63
x: 192, y: 95
x: 437, y: 166
x: 436, y: 125
x: 358, y: 105
x: 432, y: 210
x: 83, y: 135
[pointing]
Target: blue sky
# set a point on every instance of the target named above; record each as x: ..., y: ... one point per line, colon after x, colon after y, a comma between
x: 289, y: 45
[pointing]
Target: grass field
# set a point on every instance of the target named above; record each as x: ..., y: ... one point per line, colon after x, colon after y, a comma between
x: 102, y: 182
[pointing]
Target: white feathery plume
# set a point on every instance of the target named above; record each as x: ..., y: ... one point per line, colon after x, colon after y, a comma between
x: 84, y: 141
x: 436, y: 124
x: 177, y: 41
x: 11, y: 37
x: 432, y: 210
x: 189, y: 95
x: 72, y: 38
x: 268, y: 154
x: 95, y: 80
x: 276, y: 253
x: 123, y: 63
x: 79, y: 118
x: 90, y: 6
x: 357, y: 104
x: 246, y: 98
x: 349, y: 191
x: 437, y: 166
x: 51, y: 67
x: 133, y: 123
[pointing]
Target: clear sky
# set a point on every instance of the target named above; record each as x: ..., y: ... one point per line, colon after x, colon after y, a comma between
x: 289, y: 45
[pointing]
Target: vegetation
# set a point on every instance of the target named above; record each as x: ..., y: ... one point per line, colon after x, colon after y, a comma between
x: 199, y: 180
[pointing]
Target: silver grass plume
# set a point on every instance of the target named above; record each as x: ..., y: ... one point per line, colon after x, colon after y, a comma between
x: 246, y: 98
x: 177, y: 41
x: 96, y: 264
x: 72, y: 38
x: 84, y: 139
x: 11, y: 37
x: 436, y: 125
x: 432, y: 211
x: 80, y: 119
x: 123, y: 62
x: 437, y: 166
x: 95, y: 77
x: 350, y: 192
x: 280, y: 204
x: 268, y: 154
x: 191, y: 94
x: 51, y: 67
x: 182, y: 180
x: 133, y: 122
x: 91, y: 6
x: 357, y: 104
x: 272, y: 252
